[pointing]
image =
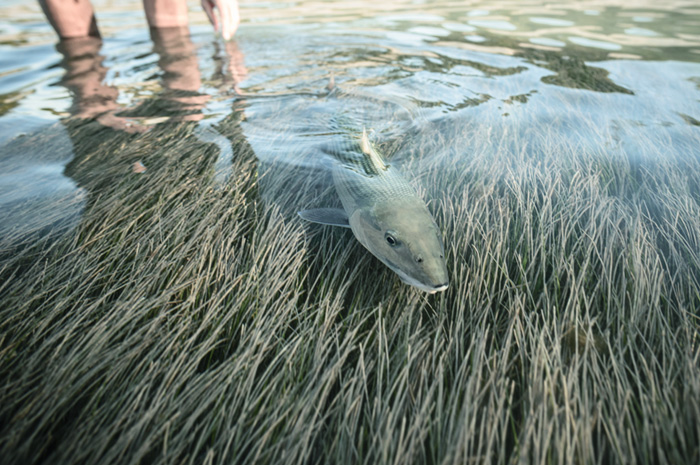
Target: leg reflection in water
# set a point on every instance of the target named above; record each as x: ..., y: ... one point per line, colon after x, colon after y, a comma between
x: 166, y: 134
x: 65, y: 174
x: 84, y: 78
x: 174, y: 113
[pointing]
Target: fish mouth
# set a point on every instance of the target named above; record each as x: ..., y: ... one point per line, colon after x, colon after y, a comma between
x: 438, y: 288
x: 430, y: 289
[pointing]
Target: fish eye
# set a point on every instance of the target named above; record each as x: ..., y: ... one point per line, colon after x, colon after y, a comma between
x: 419, y: 259
x: 391, y: 239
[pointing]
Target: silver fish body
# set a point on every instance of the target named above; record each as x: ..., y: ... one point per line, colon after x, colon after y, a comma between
x: 385, y: 214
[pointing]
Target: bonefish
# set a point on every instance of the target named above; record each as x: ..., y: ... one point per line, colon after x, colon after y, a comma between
x: 385, y: 213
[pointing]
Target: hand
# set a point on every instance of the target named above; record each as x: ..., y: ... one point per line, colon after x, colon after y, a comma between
x: 228, y: 11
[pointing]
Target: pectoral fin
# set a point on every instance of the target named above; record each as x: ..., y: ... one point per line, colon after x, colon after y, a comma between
x: 329, y: 216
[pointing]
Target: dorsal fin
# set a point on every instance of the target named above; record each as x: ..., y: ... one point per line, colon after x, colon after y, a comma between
x: 375, y: 159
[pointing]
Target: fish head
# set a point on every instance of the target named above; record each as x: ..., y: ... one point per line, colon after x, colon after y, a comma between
x: 404, y: 236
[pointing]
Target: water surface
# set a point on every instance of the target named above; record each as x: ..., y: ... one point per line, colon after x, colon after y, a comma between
x: 595, y: 76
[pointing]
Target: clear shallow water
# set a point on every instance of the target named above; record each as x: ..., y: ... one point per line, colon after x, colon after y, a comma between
x: 591, y: 77
x: 185, y: 313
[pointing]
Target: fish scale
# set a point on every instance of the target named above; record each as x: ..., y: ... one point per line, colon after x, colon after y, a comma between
x: 359, y: 169
x: 384, y: 212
